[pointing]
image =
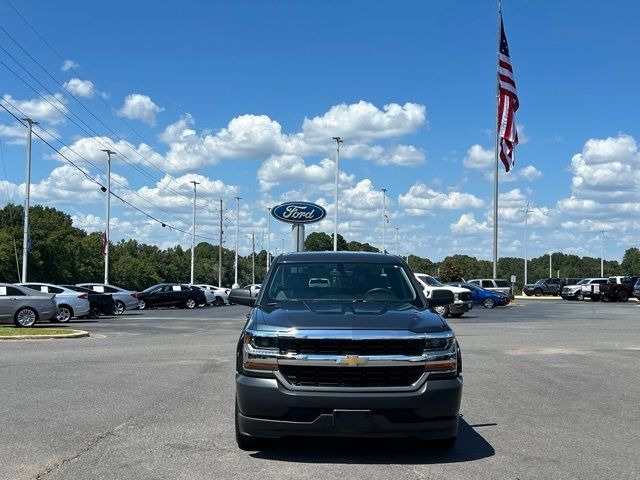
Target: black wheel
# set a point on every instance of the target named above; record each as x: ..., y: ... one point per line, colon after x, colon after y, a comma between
x: 245, y: 442
x: 580, y: 296
x: 537, y: 292
x: 119, y: 308
x: 623, y: 297
x: 64, y: 314
x: 25, y: 317
x: 190, y: 303
x: 219, y: 301
x: 142, y: 304
x: 95, y: 313
x: 528, y: 294
x: 488, y: 303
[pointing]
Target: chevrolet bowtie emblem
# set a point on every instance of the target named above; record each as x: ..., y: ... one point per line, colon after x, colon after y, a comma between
x: 353, y: 360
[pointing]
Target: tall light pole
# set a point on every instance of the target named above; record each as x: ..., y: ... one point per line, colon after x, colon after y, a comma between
x: 526, y: 210
x: 253, y: 257
x: 283, y: 245
x: 27, y: 190
x: 235, y: 284
x: 269, y: 239
x: 335, y: 213
x: 601, y: 253
x: 550, y: 273
x: 106, y: 233
x: 220, y: 249
x: 193, y: 230
x: 384, y: 220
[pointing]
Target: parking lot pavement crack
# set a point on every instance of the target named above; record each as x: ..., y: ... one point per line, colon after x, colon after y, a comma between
x: 82, y: 451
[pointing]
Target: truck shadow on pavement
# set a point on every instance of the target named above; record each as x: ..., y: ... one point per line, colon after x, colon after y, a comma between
x: 470, y: 446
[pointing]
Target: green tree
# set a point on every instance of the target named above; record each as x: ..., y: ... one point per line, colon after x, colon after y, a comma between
x: 631, y: 262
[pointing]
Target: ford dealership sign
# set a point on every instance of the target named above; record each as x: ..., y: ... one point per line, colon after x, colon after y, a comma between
x: 298, y: 212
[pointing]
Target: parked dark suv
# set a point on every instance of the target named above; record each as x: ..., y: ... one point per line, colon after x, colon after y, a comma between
x: 360, y: 353
x: 544, y: 286
x: 171, y: 295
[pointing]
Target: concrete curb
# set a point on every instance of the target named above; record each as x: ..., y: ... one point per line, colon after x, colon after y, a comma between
x: 76, y: 334
x: 550, y: 297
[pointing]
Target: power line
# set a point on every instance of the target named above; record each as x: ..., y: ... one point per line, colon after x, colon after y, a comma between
x: 97, y: 94
x: 96, y: 182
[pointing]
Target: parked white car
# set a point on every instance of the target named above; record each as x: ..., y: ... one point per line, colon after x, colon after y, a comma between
x: 462, y: 297
x: 221, y: 294
x: 70, y: 304
x: 585, y: 288
x: 209, y: 296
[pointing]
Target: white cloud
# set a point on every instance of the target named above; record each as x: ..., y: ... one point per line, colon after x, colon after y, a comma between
x: 292, y: 168
x: 483, y: 159
x: 80, y: 88
x: 422, y: 200
x: 530, y: 172
x: 468, y: 225
x: 48, y: 108
x: 606, y: 180
x: 479, y: 158
x: 140, y: 107
x: 68, y: 65
x: 364, y: 122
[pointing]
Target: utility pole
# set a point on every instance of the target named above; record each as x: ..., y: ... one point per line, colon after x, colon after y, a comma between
x: 27, y: 190
x: 193, y: 230
x: 235, y: 284
x: 384, y: 220
x: 269, y: 239
x: 253, y: 257
x: 106, y: 234
x: 550, y: 274
x: 601, y: 253
x: 335, y: 213
x: 220, y: 249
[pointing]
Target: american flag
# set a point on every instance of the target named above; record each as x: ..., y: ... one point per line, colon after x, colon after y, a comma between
x: 507, y: 103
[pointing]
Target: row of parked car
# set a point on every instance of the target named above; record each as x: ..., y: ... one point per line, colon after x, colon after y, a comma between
x: 608, y: 289
x: 27, y: 303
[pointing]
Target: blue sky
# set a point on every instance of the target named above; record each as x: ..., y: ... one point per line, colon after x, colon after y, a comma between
x: 221, y: 90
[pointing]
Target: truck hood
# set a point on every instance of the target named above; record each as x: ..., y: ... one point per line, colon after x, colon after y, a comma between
x: 348, y: 316
x: 446, y: 287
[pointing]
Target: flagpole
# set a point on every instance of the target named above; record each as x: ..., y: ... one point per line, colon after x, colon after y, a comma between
x: 497, y: 144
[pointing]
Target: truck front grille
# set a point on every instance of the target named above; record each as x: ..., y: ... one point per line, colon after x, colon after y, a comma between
x: 465, y: 296
x: 359, y: 377
x: 341, y: 346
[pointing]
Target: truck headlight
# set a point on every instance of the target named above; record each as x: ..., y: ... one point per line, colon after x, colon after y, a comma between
x: 443, y: 363
x: 260, y: 352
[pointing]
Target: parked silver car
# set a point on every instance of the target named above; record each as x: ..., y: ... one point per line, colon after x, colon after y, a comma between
x: 25, y: 306
x: 70, y: 304
x: 125, y: 299
x: 494, y: 284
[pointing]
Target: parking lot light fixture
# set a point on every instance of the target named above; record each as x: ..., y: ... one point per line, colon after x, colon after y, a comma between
x: 27, y: 189
x: 235, y: 264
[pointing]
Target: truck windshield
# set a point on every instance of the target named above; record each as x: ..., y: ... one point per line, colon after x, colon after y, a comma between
x: 584, y: 282
x: 432, y: 282
x: 330, y: 281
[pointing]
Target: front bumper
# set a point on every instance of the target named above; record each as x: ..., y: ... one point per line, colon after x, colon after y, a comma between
x: 267, y: 409
x: 572, y: 294
x: 461, y: 306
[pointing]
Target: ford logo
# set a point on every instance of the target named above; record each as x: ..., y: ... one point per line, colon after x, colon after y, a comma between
x: 298, y: 212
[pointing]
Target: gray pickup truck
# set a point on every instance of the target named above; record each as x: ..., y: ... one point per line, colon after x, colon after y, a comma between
x: 360, y: 353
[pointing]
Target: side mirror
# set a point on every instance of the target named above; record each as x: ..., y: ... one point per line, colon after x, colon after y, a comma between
x: 242, y: 296
x: 440, y: 298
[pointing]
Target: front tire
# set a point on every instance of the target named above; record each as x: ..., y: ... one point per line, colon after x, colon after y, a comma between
x: 190, y: 303
x: 488, y: 303
x: 537, y: 292
x: 442, y: 310
x: 623, y: 297
x: 142, y: 304
x: 25, y: 317
x: 580, y: 296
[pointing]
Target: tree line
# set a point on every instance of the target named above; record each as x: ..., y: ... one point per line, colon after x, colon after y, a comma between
x: 62, y: 253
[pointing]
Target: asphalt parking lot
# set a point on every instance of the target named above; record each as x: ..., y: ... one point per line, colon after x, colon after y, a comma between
x: 551, y: 391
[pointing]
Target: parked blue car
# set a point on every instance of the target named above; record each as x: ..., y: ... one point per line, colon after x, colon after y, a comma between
x: 480, y: 296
